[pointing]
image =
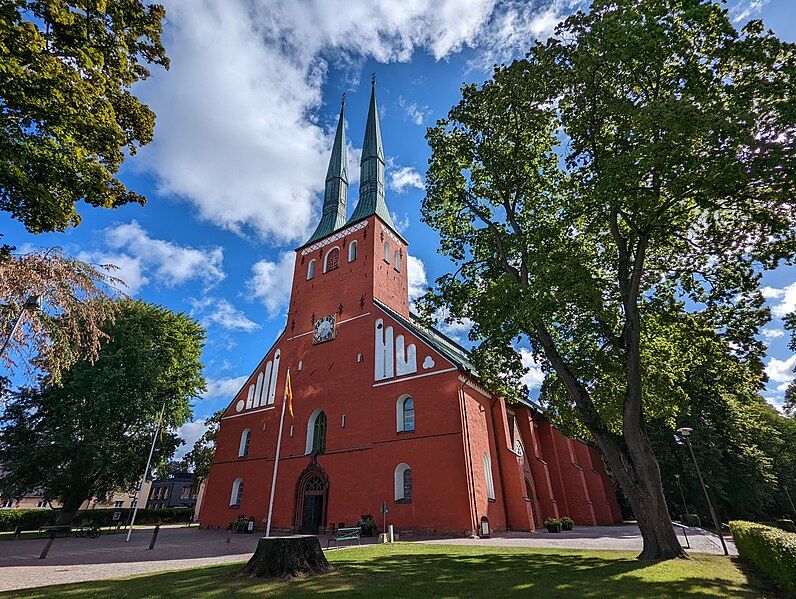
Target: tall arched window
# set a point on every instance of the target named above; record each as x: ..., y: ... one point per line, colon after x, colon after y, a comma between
x: 332, y: 260
x: 311, y: 269
x: 352, y: 251
x: 237, y: 493
x: 245, y: 440
x: 316, y: 432
x: 387, y: 252
x: 405, y: 414
x: 490, y: 486
x: 396, y: 263
x: 403, y: 483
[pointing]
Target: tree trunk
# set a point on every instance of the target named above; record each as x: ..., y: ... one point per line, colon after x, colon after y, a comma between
x: 639, y: 477
x: 71, y: 504
x: 287, y: 558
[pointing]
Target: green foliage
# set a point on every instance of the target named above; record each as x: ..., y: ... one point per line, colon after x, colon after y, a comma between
x: 68, y: 116
x: 692, y: 520
x: 784, y: 524
x: 33, y: 519
x: 200, y: 458
x: 612, y: 199
x: 770, y: 551
x: 89, y: 435
x: 790, y: 392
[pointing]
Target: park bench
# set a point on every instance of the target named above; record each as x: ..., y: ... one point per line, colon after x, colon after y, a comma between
x: 353, y: 533
x: 53, y: 531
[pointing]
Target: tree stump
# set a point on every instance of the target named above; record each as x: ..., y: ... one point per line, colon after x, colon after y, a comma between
x: 287, y: 558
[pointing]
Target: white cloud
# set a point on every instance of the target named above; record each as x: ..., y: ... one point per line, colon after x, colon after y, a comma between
x: 223, y: 388
x: 405, y: 177
x: 746, y: 8
x: 270, y: 282
x: 772, y: 333
x: 238, y: 134
x: 416, y: 114
x: 141, y: 259
x: 416, y: 274
x: 218, y: 311
x: 787, y: 295
x: 190, y: 433
x: 458, y: 330
x: 534, y: 378
x: 781, y: 371
x: 401, y: 223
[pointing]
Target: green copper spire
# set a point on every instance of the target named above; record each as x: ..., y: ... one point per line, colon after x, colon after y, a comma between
x: 335, y: 195
x: 371, y: 178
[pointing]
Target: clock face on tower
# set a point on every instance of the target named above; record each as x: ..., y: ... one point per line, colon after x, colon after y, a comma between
x: 324, y: 329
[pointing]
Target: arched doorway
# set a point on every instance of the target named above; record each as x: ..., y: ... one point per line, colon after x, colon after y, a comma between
x: 312, y: 492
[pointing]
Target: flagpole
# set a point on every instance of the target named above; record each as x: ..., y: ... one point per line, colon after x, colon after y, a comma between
x: 276, y: 461
x: 143, y: 478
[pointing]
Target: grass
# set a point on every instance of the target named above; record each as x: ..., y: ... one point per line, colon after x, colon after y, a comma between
x: 423, y: 570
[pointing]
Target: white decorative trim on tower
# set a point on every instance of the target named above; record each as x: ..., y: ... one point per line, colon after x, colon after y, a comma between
x: 332, y: 238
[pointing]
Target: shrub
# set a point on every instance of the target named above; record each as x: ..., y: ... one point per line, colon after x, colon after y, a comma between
x: 33, y: 519
x: 769, y: 550
x: 784, y: 524
x: 692, y: 520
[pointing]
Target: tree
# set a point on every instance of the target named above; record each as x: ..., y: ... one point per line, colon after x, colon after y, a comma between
x: 635, y: 169
x: 201, y: 455
x: 68, y: 116
x: 75, y: 307
x: 790, y: 392
x: 89, y: 435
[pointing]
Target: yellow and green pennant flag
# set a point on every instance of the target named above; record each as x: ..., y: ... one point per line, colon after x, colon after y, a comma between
x: 289, y: 394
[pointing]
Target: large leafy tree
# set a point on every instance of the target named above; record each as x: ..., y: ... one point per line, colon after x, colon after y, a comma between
x: 636, y: 169
x: 68, y: 116
x: 89, y: 435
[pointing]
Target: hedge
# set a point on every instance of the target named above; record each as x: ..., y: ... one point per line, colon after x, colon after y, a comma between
x: 784, y: 524
x: 769, y: 550
x: 34, y: 518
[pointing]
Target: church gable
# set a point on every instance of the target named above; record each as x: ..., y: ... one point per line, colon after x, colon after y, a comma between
x: 401, y: 350
x: 259, y: 392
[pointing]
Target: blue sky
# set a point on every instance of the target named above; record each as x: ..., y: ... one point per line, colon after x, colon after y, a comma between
x: 245, y: 122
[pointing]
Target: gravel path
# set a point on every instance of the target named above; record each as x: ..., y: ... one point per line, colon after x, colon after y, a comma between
x: 78, y: 560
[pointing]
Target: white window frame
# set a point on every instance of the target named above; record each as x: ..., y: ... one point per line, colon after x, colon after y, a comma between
x: 326, y: 258
x: 399, y: 481
x: 352, y: 251
x: 387, y: 250
x: 311, y: 429
x: 245, y: 437
x: 490, y: 485
x: 311, y: 269
x: 234, y: 498
x: 396, y: 262
x: 400, y: 425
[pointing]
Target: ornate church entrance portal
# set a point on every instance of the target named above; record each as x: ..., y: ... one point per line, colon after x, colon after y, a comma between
x: 312, y: 491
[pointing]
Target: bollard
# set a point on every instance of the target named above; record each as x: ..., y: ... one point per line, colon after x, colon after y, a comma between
x: 392, y: 534
x: 17, y: 532
x: 229, y: 535
x: 49, y: 544
x: 154, y: 536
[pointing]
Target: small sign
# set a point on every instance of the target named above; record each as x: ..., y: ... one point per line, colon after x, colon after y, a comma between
x: 384, y: 509
x: 117, y: 516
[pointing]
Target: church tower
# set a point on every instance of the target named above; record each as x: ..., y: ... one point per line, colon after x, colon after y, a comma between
x: 346, y: 264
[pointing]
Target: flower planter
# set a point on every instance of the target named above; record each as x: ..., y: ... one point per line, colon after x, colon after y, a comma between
x: 566, y: 525
x: 554, y: 527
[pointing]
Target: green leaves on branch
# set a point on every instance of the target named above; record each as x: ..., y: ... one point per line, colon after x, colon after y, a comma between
x: 68, y: 116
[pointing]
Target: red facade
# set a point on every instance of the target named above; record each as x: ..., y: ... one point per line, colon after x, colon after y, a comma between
x: 356, y: 357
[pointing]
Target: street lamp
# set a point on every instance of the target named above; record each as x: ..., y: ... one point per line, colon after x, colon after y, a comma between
x: 685, y: 509
x: 31, y: 304
x: 685, y: 433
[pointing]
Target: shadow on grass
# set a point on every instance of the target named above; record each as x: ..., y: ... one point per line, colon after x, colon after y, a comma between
x: 448, y: 572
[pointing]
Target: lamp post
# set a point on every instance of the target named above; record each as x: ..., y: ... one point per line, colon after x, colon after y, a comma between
x: 32, y: 304
x: 685, y: 433
x: 685, y: 510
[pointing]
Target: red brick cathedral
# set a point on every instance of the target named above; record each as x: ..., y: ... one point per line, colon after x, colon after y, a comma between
x: 385, y: 410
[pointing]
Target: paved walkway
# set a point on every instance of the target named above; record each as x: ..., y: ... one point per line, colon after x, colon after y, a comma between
x: 623, y: 538
x: 78, y: 560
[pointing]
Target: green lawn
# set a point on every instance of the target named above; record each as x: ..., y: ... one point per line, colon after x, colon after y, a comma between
x: 419, y: 570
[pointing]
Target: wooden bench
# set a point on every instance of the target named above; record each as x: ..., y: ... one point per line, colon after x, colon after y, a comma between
x: 53, y: 531
x: 352, y: 533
